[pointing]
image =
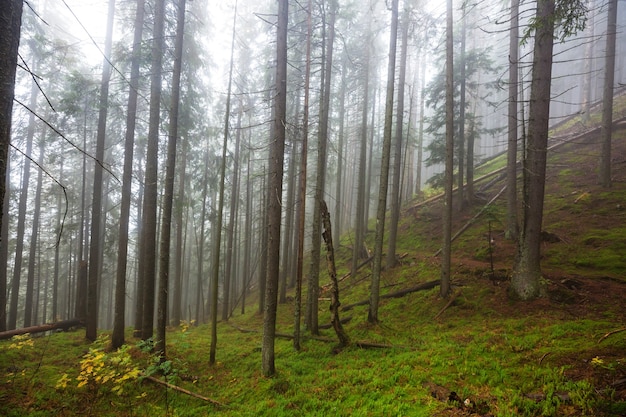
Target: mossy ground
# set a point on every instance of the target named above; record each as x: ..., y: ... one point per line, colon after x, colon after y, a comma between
x: 547, y: 357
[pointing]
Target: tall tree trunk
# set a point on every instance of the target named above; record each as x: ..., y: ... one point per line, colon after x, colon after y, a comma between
x: 168, y: 194
x: 200, y: 243
x: 57, y: 248
x: 397, y: 161
x: 360, y: 221
x: 149, y: 228
x: 604, y: 175
x: 95, y: 250
x: 288, y: 234
x: 177, y: 314
x: 277, y: 149
x: 117, y: 337
x: 525, y: 281
x: 585, y: 102
x: 10, y: 25
x: 32, y: 257
x: 313, y: 293
x: 461, y: 139
x: 302, y: 185
x: 21, y: 216
x: 229, y: 269
x: 218, y: 227
x: 340, y: 155
x: 444, y: 289
x: 511, y: 171
x: 372, y: 315
x: 4, y: 250
x: 420, y: 133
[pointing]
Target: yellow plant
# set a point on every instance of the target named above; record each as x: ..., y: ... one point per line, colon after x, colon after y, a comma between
x: 101, y: 369
x: 20, y: 342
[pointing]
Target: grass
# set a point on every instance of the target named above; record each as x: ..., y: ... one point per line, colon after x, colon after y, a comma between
x: 507, y: 358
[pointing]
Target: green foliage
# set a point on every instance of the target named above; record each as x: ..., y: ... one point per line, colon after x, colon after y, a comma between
x: 570, y: 17
x: 109, y: 370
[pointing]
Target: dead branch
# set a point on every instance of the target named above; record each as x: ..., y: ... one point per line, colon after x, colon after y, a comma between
x: 473, y: 219
x: 344, y: 339
x: 59, y: 325
x: 329, y: 325
x: 183, y: 390
x: 425, y: 286
x: 448, y: 304
x: 611, y: 333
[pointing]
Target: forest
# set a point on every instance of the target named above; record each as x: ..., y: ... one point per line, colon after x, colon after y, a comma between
x: 313, y: 207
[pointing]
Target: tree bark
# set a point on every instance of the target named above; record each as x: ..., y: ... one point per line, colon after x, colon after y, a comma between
x: 149, y: 228
x: 302, y: 185
x: 32, y: 256
x: 277, y: 149
x: 10, y: 25
x: 511, y: 173
x: 117, y: 337
x: 444, y: 289
x: 64, y: 325
x: 372, y: 315
x: 327, y: 59
x: 397, y: 162
x: 344, y: 339
x: 168, y: 195
x: 220, y: 209
x: 607, y: 101
x: 526, y: 279
x: 359, y: 221
x: 95, y: 250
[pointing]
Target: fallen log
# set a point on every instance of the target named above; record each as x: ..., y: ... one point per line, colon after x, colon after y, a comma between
x: 183, y: 390
x: 424, y: 286
x: 59, y: 325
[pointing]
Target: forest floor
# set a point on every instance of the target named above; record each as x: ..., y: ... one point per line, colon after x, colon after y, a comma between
x: 485, y: 354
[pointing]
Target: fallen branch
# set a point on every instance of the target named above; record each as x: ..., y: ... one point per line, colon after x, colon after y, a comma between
x: 448, y: 304
x: 361, y: 344
x: 611, y: 333
x: 59, y: 325
x: 183, y: 390
x: 473, y: 219
x: 329, y: 325
x: 425, y: 286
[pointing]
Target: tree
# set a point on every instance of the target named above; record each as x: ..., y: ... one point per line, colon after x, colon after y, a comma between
x: 117, y: 337
x: 168, y: 195
x: 149, y: 216
x: 511, y: 171
x: 604, y: 175
x: 526, y: 279
x: 275, y: 177
x: 327, y: 62
x: 220, y: 208
x: 95, y: 250
x: 397, y: 162
x: 10, y: 25
x: 360, y: 221
x: 21, y: 217
x: 444, y: 288
x: 372, y: 315
x: 302, y: 185
x: 34, y: 245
